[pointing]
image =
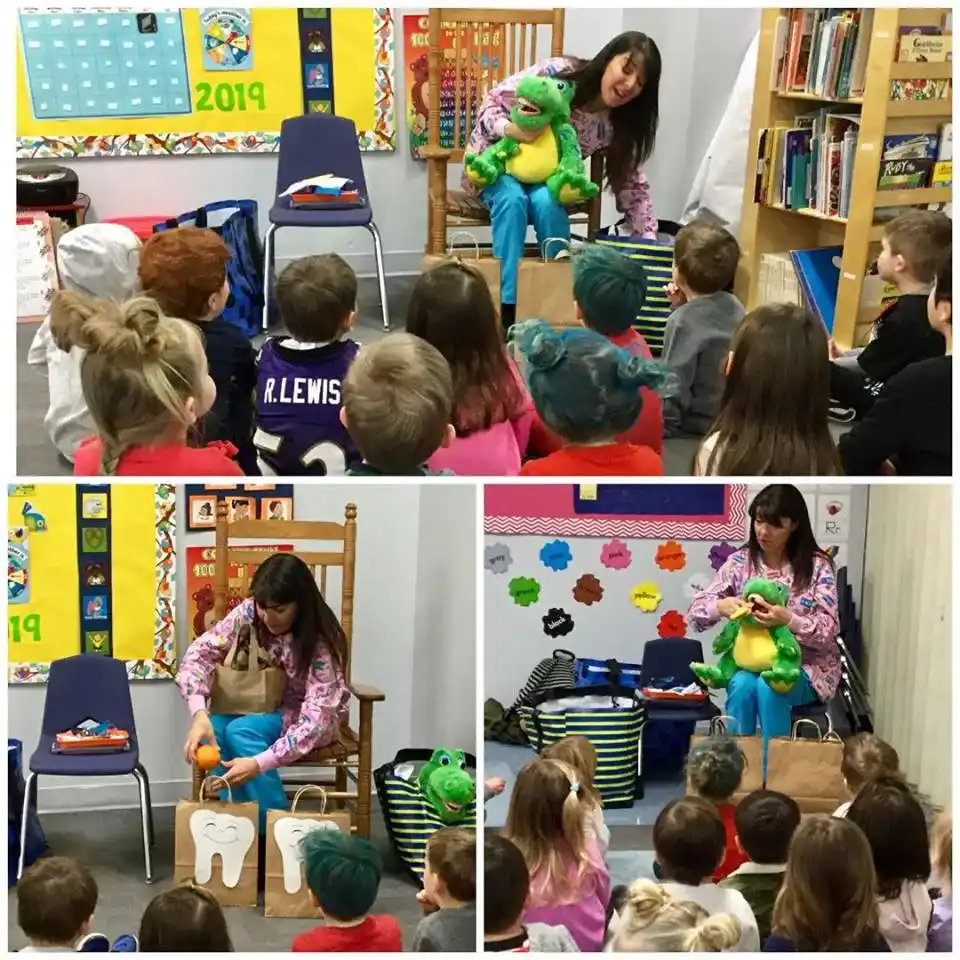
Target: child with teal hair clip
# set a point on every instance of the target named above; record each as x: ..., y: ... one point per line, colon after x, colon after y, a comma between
x: 587, y: 391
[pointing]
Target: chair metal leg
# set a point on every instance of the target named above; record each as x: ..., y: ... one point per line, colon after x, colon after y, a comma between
x: 146, y: 787
x: 269, y: 271
x: 145, y: 816
x: 29, y: 793
x: 381, y: 273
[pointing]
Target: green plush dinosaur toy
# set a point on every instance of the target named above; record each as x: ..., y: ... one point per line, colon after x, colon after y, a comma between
x: 745, y: 645
x: 446, y: 784
x: 554, y: 158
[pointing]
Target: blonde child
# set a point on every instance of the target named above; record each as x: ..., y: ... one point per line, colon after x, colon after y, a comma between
x: 773, y: 417
x: 893, y: 822
x: 828, y: 902
x: 655, y: 921
x: 451, y: 308
x: 186, y: 919
x: 145, y: 380
x: 450, y: 885
x: 397, y: 405
x: 865, y: 757
x: 569, y: 882
x: 94, y: 260
x: 940, y: 937
x: 587, y: 391
x: 579, y: 754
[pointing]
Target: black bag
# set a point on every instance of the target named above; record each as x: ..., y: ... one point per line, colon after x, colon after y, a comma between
x: 16, y: 789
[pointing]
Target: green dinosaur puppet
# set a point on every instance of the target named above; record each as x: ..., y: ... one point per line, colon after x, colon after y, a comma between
x: 745, y: 645
x: 447, y: 785
x: 554, y: 158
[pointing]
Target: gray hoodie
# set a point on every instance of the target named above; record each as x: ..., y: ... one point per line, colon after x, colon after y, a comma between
x: 537, y: 938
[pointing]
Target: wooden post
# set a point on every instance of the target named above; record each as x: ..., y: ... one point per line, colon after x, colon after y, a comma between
x: 349, y: 571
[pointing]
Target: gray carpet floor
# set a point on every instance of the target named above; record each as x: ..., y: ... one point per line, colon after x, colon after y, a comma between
x: 110, y: 845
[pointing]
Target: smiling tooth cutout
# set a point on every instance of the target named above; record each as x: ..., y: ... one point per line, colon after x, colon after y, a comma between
x: 288, y: 832
x: 220, y: 833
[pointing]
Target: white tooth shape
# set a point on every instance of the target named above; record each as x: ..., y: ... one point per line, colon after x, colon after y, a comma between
x: 288, y: 832
x: 220, y: 833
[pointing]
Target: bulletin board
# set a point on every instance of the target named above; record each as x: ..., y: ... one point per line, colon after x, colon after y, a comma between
x: 245, y: 501
x: 107, y: 81
x: 90, y: 569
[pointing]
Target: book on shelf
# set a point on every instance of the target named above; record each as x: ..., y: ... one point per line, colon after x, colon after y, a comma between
x: 920, y: 89
x: 907, y: 160
x: 942, y: 175
x: 923, y: 45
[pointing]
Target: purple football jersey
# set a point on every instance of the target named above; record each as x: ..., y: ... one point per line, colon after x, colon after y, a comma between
x: 299, y: 395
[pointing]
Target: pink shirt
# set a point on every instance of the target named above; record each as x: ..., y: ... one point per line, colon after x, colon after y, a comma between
x: 314, y: 705
x: 594, y: 131
x: 814, y: 622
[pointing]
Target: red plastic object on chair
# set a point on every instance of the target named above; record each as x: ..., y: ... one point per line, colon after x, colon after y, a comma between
x: 141, y: 226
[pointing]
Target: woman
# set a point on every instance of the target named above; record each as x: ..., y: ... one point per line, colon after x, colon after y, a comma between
x: 615, y: 109
x: 297, y: 631
x: 781, y: 547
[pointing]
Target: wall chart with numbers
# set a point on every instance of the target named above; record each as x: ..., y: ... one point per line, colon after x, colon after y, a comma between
x: 76, y: 585
x: 109, y: 81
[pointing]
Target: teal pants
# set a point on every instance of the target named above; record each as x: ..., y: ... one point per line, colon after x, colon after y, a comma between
x: 247, y: 736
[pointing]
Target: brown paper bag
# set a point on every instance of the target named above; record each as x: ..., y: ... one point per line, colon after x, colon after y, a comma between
x: 487, y: 266
x: 215, y: 845
x: 752, y: 748
x: 251, y: 687
x: 285, y: 896
x: 807, y: 770
x: 545, y: 287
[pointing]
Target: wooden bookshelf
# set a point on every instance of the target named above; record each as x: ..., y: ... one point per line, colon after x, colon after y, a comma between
x: 773, y: 229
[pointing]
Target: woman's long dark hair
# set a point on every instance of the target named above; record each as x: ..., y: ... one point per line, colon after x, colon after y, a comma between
x: 775, y: 504
x: 635, y: 123
x: 285, y: 578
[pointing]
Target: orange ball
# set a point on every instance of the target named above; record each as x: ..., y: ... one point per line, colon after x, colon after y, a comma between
x: 208, y: 756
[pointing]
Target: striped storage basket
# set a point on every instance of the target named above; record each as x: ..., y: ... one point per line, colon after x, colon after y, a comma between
x: 557, y: 672
x: 614, y: 732
x: 410, y: 819
x: 657, y: 259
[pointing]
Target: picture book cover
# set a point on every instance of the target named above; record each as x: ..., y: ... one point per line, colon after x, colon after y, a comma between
x: 910, y: 146
x: 818, y: 271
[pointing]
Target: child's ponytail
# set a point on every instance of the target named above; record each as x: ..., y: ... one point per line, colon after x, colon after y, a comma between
x: 717, y: 934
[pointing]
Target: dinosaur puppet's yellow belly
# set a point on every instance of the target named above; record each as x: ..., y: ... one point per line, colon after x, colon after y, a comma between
x: 754, y: 649
x: 536, y: 161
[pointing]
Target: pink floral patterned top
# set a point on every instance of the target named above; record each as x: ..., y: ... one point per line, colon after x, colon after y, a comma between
x: 815, y: 621
x: 594, y: 131
x: 314, y: 706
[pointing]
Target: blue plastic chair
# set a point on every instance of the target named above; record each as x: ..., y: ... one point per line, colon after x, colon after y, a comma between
x: 312, y: 145
x: 88, y: 685
x: 669, y: 659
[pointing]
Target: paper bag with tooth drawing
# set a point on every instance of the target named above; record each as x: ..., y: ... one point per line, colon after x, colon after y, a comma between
x: 215, y: 845
x: 285, y: 892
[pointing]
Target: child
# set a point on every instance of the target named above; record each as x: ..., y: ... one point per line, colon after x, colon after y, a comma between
x: 909, y: 428
x: 452, y: 309
x: 95, y: 260
x: 765, y: 822
x: 185, y: 271
x: 506, y: 887
x: 397, y: 405
x: 893, y: 822
x: 865, y: 757
x: 56, y: 898
x: 587, y: 391
x: 450, y: 883
x: 579, y: 754
x: 698, y: 334
x: 569, y: 882
x: 300, y: 377
x: 145, y: 380
x: 610, y: 290
x: 186, y: 919
x: 714, y: 770
x: 940, y: 936
x: 773, y: 414
x: 828, y: 902
x: 343, y: 873
x: 913, y: 244
x: 654, y: 921
x: 689, y: 841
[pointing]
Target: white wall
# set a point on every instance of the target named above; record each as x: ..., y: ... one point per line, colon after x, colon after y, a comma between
x: 701, y: 48
x: 414, y: 618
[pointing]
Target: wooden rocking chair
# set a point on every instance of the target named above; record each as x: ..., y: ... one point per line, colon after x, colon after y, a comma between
x: 499, y: 40
x: 351, y: 754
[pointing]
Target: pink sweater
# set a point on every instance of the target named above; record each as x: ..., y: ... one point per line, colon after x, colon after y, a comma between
x: 594, y: 132
x: 815, y: 621
x: 313, y: 706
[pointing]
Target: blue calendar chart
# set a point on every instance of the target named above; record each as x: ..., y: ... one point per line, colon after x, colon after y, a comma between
x: 97, y: 64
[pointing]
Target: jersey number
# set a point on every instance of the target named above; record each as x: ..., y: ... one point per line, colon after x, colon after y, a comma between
x: 322, y: 459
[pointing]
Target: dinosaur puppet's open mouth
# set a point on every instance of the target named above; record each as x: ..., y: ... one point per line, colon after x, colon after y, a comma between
x: 452, y: 807
x: 528, y: 108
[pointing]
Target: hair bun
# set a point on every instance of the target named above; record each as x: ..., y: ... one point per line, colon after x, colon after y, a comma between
x: 545, y: 349
x: 637, y: 371
x: 141, y: 316
x: 717, y: 934
x: 645, y: 900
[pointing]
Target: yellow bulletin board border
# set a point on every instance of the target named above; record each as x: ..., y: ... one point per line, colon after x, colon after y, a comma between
x: 163, y: 664
x: 381, y: 137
